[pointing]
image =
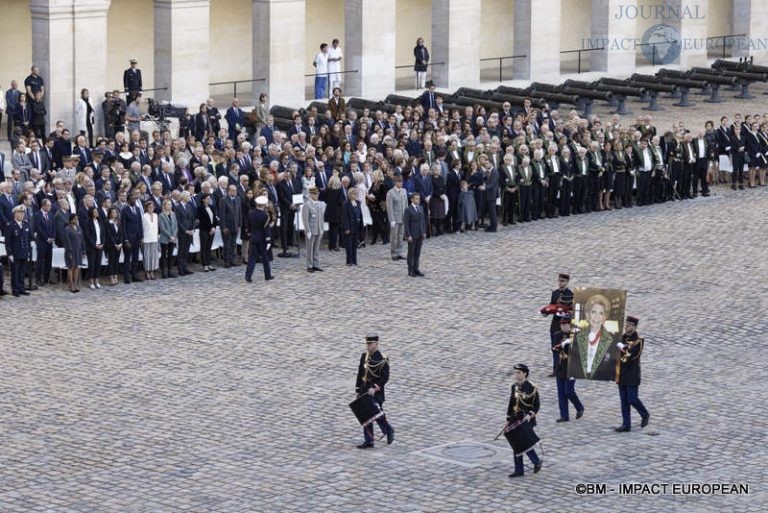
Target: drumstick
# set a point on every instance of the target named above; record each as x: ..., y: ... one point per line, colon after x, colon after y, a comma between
x: 500, y: 432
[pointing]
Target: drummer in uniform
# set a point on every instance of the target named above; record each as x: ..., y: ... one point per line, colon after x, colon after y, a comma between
x: 521, y: 419
x: 566, y: 387
x: 628, y: 375
x: 372, y: 375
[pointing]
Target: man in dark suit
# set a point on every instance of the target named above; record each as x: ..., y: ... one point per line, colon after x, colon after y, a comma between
x: 235, y: 119
x: 133, y: 232
x: 186, y: 213
x: 428, y: 99
x: 491, y: 176
x: 230, y: 217
x: 452, y: 188
x: 268, y: 130
x: 81, y: 149
x: 132, y: 83
x: 39, y: 158
x: 415, y: 226
x: 45, y: 236
x: 258, y: 227
x: 7, y: 202
x: 18, y: 245
x: 285, y: 191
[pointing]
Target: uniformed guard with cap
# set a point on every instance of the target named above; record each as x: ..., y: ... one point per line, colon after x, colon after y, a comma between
x: 560, y: 301
x: 628, y: 375
x: 521, y: 419
x: 372, y: 375
x: 259, y: 226
x: 566, y: 387
x: 19, y: 248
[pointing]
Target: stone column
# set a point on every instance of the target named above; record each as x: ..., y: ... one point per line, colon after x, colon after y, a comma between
x: 91, y: 54
x: 616, y: 35
x: 182, y: 51
x: 456, y: 42
x: 278, y: 51
x: 53, y: 53
x: 537, y: 35
x: 750, y: 17
x: 369, y: 39
x: 692, y: 26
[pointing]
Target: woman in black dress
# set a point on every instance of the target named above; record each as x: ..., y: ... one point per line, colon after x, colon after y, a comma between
x: 208, y: 223
x: 74, y: 248
x: 94, y: 234
x: 114, y: 244
x: 421, y: 56
x: 334, y: 201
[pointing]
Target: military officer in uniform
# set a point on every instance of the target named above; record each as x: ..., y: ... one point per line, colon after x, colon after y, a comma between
x: 259, y: 227
x: 521, y: 418
x: 566, y: 387
x: 372, y: 375
x: 628, y: 375
x: 19, y: 249
x: 312, y: 215
x: 561, y: 300
x: 132, y: 83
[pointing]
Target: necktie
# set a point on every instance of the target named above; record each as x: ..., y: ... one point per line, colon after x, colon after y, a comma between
x: 290, y: 185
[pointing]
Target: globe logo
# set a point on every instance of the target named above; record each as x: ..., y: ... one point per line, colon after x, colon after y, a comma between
x: 661, y: 44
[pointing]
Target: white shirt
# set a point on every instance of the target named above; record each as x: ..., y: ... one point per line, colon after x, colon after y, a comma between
x: 321, y: 62
x: 97, y: 226
x: 702, y: 149
x: 592, y: 349
x: 334, y: 53
x: 151, y: 228
x: 647, y: 160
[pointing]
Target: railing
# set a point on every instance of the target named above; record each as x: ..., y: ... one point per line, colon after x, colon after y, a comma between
x: 327, y: 75
x: 151, y: 90
x: 235, y: 82
x: 410, y: 66
x: 501, y: 60
x: 725, y: 38
x: 579, y: 51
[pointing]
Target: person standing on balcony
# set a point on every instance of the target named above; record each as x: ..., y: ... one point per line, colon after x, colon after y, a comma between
x: 321, y: 66
x: 421, y: 54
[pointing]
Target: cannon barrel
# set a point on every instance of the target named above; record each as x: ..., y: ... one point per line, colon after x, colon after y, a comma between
x: 684, y: 82
x: 748, y: 76
x: 587, y: 93
x: 622, y: 90
x: 541, y: 86
x: 280, y: 111
x: 471, y: 102
x: 321, y: 107
x: 570, y: 99
x: 652, y: 86
x: 580, y: 85
x: 614, y: 81
x: 404, y: 101
x: 470, y: 92
x: 722, y: 64
x: 362, y: 103
x: 666, y: 72
x: 712, y: 78
x: 512, y: 91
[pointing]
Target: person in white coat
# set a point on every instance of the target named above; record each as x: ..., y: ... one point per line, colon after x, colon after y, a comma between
x: 85, y: 116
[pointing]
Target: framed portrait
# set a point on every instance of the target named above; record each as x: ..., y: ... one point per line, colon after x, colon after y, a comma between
x: 598, y: 318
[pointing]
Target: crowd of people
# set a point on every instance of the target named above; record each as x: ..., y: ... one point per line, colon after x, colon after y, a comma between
x: 142, y: 205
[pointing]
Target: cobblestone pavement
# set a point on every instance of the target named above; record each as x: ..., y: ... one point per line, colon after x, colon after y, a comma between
x: 209, y: 394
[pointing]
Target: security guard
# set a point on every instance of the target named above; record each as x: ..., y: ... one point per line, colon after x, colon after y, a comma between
x: 372, y: 375
x: 628, y: 375
x: 566, y: 387
x: 19, y: 248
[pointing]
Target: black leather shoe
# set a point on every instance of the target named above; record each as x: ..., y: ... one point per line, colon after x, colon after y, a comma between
x: 645, y: 420
x: 365, y: 445
x: 561, y: 420
x: 579, y: 414
x: 418, y: 273
x: 249, y: 280
x: 412, y: 275
x: 318, y: 270
x: 622, y: 429
x: 391, y: 435
x: 24, y: 293
x: 515, y: 474
x: 310, y: 269
x: 536, y: 468
x: 269, y: 278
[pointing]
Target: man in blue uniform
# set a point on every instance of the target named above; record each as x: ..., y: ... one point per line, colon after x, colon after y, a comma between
x: 259, y: 228
x: 628, y: 375
x: 566, y: 387
x: 560, y: 301
x: 19, y: 248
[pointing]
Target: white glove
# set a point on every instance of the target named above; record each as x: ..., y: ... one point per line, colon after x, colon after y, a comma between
x: 269, y: 246
x: 393, y: 224
x: 566, y: 342
x: 621, y: 345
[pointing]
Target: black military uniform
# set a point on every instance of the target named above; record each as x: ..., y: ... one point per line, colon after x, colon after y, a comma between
x: 628, y: 375
x: 523, y: 404
x: 566, y: 387
x: 132, y: 83
x: 373, y: 373
x: 560, y: 301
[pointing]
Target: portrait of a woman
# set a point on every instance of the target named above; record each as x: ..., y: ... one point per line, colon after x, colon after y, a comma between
x: 594, y: 353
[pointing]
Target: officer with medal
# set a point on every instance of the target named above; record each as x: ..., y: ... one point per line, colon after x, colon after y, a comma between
x: 372, y: 375
x: 628, y: 375
x: 566, y: 387
x: 521, y: 419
